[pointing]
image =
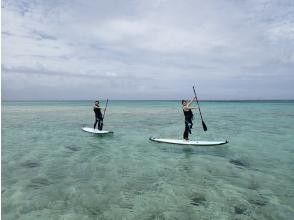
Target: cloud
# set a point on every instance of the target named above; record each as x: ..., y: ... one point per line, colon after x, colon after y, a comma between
x: 149, y: 49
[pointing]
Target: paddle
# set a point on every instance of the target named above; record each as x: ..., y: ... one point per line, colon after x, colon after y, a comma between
x: 203, y: 124
x: 104, y: 114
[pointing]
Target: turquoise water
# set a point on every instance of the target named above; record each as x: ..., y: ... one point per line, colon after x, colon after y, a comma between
x: 53, y: 170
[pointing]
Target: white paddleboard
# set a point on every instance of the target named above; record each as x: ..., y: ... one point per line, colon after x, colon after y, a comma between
x: 184, y: 142
x: 96, y: 131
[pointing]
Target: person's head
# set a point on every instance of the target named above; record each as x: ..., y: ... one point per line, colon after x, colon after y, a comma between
x: 97, y: 102
x: 184, y: 102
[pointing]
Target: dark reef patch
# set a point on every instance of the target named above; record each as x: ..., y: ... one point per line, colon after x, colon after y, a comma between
x: 240, y: 209
x: 31, y: 164
x: 198, y: 199
x: 39, y: 182
x: 259, y: 200
x: 239, y: 162
x: 73, y: 148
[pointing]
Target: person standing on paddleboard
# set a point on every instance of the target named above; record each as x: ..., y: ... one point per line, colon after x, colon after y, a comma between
x: 98, y: 115
x: 188, y: 117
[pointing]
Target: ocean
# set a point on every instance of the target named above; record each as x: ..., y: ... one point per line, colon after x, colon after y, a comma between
x: 51, y: 169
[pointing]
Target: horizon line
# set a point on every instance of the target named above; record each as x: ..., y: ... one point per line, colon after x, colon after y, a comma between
x: 203, y: 100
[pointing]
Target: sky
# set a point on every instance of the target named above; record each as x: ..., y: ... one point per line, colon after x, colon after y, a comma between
x: 155, y: 49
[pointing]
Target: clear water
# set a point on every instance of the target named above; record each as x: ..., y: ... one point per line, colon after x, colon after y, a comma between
x: 51, y: 169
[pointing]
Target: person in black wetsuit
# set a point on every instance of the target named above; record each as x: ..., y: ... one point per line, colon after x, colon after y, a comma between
x: 98, y: 115
x: 188, y: 117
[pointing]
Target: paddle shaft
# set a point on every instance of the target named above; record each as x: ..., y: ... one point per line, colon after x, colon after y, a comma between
x: 105, y: 109
x: 103, y: 115
x: 203, y: 124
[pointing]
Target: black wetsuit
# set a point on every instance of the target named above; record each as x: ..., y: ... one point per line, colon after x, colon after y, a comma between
x: 188, y: 123
x: 98, y: 118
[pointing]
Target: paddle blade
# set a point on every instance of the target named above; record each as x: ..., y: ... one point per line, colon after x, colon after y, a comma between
x: 204, y: 126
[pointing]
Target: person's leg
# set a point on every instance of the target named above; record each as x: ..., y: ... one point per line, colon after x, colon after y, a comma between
x: 96, y: 120
x: 186, y: 132
x: 186, y: 135
x: 190, y: 125
x: 100, y: 123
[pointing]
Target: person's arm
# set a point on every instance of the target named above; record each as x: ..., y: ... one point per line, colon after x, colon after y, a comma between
x: 95, y: 106
x: 189, y: 103
x: 186, y: 108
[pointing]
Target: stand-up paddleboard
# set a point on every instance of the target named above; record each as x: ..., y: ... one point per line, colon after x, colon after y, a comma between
x: 184, y: 142
x: 96, y: 131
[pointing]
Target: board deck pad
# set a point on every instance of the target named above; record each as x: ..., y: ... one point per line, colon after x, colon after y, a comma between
x: 184, y: 142
x: 96, y: 131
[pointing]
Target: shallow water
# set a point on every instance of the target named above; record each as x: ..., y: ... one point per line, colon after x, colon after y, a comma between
x: 51, y: 169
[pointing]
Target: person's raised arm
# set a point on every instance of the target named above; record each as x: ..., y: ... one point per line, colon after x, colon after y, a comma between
x: 189, y: 103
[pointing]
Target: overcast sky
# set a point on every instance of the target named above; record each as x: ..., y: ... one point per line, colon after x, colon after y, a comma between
x: 147, y: 49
